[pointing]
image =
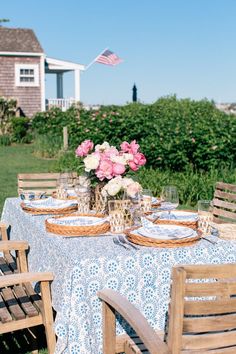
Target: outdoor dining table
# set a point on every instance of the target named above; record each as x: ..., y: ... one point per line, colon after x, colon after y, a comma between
x: 84, y: 265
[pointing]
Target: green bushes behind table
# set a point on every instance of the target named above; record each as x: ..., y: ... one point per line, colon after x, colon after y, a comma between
x: 173, y: 134
x: 192, y: 185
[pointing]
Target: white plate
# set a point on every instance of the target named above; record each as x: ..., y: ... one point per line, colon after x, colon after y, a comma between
x: 77, y: 220
x: 49, y: 203
x: 166, y: 232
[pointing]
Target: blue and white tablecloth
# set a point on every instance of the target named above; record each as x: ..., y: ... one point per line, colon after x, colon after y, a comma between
x: 84, y: 265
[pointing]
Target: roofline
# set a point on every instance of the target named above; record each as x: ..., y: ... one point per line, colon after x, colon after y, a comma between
x: 67, y: 64
x: 23, y: 54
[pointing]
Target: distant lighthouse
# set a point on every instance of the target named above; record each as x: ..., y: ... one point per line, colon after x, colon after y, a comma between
x: 134, y: 93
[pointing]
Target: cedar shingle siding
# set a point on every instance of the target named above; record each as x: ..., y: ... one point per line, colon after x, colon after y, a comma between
x: 15, y: 40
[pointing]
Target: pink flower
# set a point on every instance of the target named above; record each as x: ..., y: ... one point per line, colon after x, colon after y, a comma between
x: 104, y: 170
x: 118, y: 169
x: 133, y: 166
x: 130, y: 148
x: 133, y: 188
x: 139, y: 159
x: 84, y: 148
x: 134, y: 147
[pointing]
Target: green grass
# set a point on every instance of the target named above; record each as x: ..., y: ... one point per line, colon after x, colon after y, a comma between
x: 18, y: 159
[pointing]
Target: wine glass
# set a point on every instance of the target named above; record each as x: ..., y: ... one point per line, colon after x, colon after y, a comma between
x: 170, y: 198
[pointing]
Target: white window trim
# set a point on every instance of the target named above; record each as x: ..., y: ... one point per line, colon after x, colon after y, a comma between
x: 18, y: 67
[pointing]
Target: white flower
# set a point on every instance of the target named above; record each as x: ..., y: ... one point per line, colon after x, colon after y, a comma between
x: 105, y: 146
x: 126, y: 182
x: 91, y: 162
x: 114, y: 188
x: 133, y: 189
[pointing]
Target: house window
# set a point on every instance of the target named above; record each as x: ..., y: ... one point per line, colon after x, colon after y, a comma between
x: 26, y: 75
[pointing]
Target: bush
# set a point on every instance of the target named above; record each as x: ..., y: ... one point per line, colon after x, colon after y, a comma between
x: 7, y: 109
x: 19, y: 129
x: 5, y: 140
x: 173, y: 134
x: 47, y: 146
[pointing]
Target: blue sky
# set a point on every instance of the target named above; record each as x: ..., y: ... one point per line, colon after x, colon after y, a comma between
x: 183, y: 47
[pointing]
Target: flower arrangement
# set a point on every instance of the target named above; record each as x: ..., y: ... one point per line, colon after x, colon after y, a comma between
x: 106, y: 162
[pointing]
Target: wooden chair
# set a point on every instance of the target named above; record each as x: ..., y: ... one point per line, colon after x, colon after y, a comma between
x: 224, y: 203
x: 202, y: 315
x: 46, y: 182
x: 3, y: 232
x: 20, y: 306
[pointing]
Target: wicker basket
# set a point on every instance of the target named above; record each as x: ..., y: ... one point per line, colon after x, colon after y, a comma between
x: 226, y: 231
x: 192, y: 224
x: 45, y: 211
x: 151, y: 242
x: 73, y: 231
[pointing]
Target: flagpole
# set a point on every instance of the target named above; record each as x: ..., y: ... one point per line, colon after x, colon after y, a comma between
x: 92, y: 62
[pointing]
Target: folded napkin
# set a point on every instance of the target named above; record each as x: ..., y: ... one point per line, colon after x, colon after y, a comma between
x: 149, y: 229
x: 175, y: 215
x: 78, y: 221
x: 50, y: 203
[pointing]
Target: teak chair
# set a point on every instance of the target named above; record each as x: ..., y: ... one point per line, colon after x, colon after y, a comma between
x: 46, y: 182
x: 224, y: 203
x: 20, y: 306
x: 202, y: 315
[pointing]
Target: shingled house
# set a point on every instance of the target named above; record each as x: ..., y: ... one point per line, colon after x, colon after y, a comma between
x: 23, y: 65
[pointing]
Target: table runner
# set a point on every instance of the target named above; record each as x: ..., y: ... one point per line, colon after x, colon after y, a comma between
x: 82, y: 266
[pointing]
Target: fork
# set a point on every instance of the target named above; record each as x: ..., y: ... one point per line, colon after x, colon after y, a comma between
x: 118, y: 243
x: 123, y: 240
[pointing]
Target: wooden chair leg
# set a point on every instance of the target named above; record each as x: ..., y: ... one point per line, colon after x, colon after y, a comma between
x: 48, y: 317
x: 109, y: 329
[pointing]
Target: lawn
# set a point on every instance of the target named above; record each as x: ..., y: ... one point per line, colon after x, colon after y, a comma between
x: 18, y: 159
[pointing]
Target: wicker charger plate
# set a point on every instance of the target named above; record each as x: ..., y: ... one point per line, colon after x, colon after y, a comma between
x: 151, y: 242
x: 193, y: 224
x: 45, y: 211
x: 70, y: 230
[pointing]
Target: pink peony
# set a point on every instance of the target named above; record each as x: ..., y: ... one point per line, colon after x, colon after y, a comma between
x: 133, y: 166
x: 139, y: 159
x: 104, y: 170
x: 131, y: 148
x: 125, y: 146
x: 118, y: 169
x: 134, y: 147
x: 84, y: 148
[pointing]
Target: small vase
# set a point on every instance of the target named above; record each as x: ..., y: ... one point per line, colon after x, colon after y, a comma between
x: 120, y: 215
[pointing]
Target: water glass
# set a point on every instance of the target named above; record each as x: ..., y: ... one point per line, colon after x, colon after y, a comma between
x: 83, y: 198
x: 170, y: 198
x: 116, y: 217
x: 205, y: 215
x: 146, y: 200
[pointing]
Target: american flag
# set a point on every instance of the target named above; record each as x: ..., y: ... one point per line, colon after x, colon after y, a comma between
x: 108, y: 58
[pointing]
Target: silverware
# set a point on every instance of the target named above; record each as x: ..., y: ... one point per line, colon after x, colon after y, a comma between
x: 207, y: 239
x: 118, y: 243
x: 124, y: 241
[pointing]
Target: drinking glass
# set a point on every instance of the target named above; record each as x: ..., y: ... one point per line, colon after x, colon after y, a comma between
x: 170, y: 198
x: 146, y: 200
x: 116, y: 217
x: 205, y: 215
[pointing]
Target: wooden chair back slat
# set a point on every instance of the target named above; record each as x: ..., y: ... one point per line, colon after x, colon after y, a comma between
x: 220, y: 306
x: 209, y: 308
x: 224, y: 203
x: 46, y: 182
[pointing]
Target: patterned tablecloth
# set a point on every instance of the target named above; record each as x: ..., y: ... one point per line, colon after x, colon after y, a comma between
x: 84, y: 265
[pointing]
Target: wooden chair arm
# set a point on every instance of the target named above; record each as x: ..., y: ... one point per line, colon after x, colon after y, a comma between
x: 13, y: 245
x: 3, y: 231
x: 134, y: 317
x: 8, y: 280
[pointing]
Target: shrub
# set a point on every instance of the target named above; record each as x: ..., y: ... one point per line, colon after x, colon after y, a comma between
x: 173, y: 134
x: 19, y: 129
x: 7, y: 110
x: 47, y: 146
x: 5, y: 140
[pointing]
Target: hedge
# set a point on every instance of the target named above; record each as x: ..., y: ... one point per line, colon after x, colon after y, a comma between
x: 174, y: 134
